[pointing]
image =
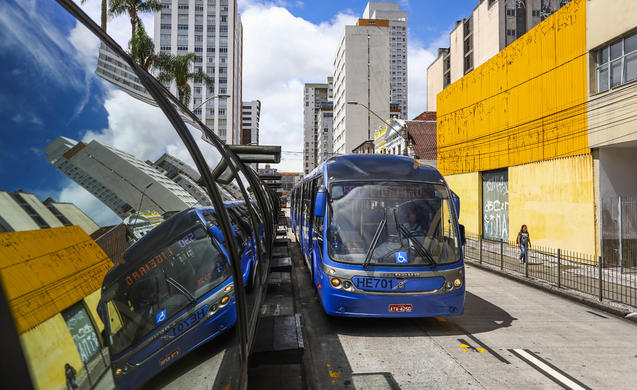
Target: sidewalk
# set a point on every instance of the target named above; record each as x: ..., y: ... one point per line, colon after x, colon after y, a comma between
x: 582, y: 276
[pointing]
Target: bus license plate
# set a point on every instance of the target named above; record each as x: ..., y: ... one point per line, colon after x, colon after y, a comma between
x: 400, y: 308
x: 188, y: 323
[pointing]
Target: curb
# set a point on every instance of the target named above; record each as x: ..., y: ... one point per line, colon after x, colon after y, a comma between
x: 591, y: 302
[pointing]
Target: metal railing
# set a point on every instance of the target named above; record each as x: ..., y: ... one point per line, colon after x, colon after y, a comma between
x: 564, y: 269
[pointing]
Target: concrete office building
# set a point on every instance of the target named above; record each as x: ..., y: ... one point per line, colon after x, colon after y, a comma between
x: 361, y: 74
x: 172, y: 166
x: 386, y: 10
x: 122, y: 182
x: 250, y: 117
x: 212, y: 30
x: 20, y: 211
x: 325, y: 133
x: 492, y: 26
x: 314, y: 95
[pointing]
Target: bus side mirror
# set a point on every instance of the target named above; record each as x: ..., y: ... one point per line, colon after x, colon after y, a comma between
x: 463, y: 237
x: 456, y: 203
x: 319, y: 204
x: 216, y: 232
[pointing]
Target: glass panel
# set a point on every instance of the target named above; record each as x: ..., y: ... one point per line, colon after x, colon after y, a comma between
x: 602, y: 78
x: 414, y: 218
x: 616, y: 50
x: 602, y: 55
x: 615, y: 73
x: 105, y: 197
x: 630, y: 67
x: 630, y: 44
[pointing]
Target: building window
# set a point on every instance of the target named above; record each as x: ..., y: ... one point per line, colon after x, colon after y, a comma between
x: 535, y: 13
x: 511, y: 12
x: 510, y: 32
x: 617, y: 63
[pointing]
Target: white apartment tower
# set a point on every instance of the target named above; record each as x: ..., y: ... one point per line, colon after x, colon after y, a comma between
x: 250, y: 117
x: 122, y: 182
x: 361, y: 75
x: 325, y: 133
x: 314, y: 95
x: 386, y: 10
x: 212, y: 30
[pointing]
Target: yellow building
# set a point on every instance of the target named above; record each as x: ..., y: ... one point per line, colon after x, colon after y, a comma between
x: 516, y: 139
x: 52, y: 280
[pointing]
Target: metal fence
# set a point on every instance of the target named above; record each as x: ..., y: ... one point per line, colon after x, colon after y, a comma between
x: 564, y: 269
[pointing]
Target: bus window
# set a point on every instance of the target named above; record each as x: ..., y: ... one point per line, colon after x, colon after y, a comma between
x: 115, y: 322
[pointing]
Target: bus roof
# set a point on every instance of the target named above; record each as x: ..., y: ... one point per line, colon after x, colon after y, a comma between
x: 379, y: 167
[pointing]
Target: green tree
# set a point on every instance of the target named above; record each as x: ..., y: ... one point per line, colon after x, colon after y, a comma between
x: 177, y: 68
x: 133, y: 8
x: 103, y: 15
x: 141, y: 48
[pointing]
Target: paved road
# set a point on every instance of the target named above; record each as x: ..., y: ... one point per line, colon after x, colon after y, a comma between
x: 511, y: 336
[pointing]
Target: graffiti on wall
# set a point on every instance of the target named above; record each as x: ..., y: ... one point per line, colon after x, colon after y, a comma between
x: 495, y: 205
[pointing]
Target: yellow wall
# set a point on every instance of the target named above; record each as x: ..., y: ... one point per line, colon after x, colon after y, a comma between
x: 525, y: 104
x: 45, y: 271
x: 47, y: 347
x: 467, y: 187
x: 555, y: 199
x: 91, y: 302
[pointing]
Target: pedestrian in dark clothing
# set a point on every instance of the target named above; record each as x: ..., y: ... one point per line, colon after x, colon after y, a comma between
x: 523, y: 240
x: 70, y: 373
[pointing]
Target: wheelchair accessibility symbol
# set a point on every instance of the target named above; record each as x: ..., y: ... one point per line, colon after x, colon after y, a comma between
x: 401, y: 257
x: 160, y: 316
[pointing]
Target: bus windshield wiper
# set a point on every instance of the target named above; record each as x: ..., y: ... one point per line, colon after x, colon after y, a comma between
x: 181, y: 289
x: 375, y: 238
x: 422, y: 251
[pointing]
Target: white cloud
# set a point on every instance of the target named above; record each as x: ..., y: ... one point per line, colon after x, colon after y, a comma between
x: 418, y: 59
x: 278, y: 58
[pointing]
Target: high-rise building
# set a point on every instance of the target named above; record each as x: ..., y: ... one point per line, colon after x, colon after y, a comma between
x: 387, y: 10
x: 361, y: 75
x: 314, y: 95
x: 174, y: 166
x: 212, y: 30
x: 325, y: 134
x: 21, y: 211
x: 492, y: 26
x: 122, y: 182
x: 250, y: 117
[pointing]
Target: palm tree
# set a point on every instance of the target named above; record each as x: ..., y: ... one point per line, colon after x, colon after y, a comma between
x: 142, y: 48
x: 133, y: 8
x: 177, y: 68
x: 103, y: 15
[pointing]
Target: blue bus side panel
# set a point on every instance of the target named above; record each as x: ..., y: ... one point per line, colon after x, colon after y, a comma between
x: 206, y: 330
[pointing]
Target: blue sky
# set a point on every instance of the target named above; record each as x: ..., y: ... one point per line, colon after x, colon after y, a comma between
x: 293, y: 46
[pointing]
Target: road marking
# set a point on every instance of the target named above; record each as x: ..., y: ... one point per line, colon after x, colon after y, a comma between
x: 549, y: 370
x: 468, y: 347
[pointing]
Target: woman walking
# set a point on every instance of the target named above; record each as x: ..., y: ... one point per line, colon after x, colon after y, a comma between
x: 523, y: 240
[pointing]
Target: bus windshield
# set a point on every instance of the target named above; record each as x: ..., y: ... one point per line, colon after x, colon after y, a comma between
x: 160, y: 284
x: 392, y: 223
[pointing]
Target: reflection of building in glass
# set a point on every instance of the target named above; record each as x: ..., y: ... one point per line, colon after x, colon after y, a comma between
x: 140, y: 224
x: 174, y: 166
x: 122, y: 182
x: 55, y: 313
x: 212, y: 30
x: 250, y: 116
x: 23, y: 211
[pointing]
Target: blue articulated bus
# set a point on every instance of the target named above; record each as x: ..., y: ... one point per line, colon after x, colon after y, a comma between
x: 380, y: 237
x: 172, y: 292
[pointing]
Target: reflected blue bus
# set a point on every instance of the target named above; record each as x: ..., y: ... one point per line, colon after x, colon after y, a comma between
x: 172, y: 292
x: 380, y: 237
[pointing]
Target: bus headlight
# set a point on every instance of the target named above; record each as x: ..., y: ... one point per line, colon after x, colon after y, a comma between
x: 225, y: 300
x: 347, y: 285
x: 336, y: 282
x: 448, y: 285
x: 228, y: 288
x: 457, y: 283
x: 119, y: 372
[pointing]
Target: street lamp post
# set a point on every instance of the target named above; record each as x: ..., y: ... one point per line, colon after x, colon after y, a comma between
x: 383, y: 120
x: 220, y: 96
x: 141, y: 199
